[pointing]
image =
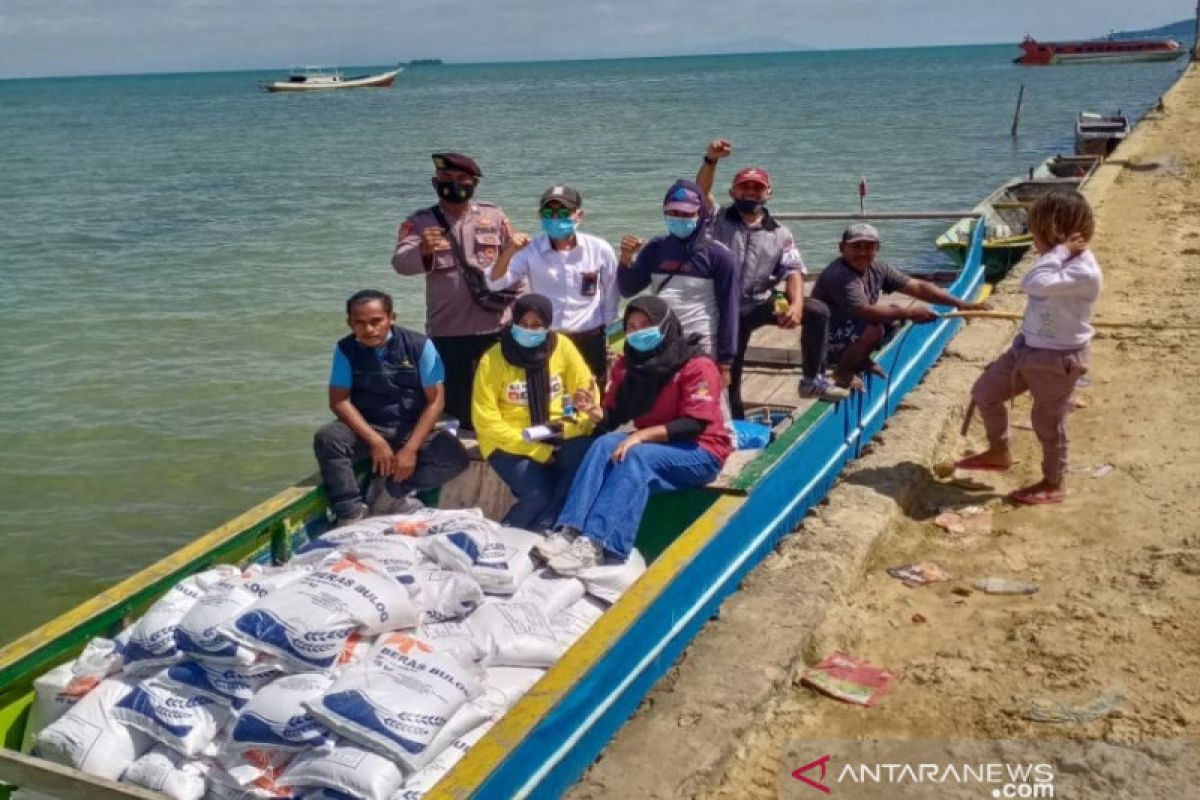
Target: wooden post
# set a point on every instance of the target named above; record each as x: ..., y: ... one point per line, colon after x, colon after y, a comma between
x: 1020, y: 100
x: 1196, y: 35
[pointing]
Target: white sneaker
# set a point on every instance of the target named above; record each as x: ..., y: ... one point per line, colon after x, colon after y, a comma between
x: 582, y: 554
x: 557, y: 542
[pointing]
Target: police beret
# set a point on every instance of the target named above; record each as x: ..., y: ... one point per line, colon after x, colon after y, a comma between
x: 457, y: 161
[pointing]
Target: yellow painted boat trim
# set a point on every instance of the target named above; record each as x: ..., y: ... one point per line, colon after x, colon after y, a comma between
x: 482, y: 759
x: 117, y: 594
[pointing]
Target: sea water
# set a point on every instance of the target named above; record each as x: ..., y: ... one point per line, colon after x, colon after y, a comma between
x: 175, y: 250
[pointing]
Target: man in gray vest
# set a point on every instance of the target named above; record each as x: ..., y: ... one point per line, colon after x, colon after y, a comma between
x: 764, y: 251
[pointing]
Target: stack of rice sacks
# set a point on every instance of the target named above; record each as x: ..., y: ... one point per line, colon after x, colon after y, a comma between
x: 363, y: 669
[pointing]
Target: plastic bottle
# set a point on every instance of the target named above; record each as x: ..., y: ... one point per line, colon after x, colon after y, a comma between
x: 1004, y: 586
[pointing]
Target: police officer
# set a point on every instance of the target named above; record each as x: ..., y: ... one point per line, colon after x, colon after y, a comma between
x: 452, y: 244
x: 765, y: 252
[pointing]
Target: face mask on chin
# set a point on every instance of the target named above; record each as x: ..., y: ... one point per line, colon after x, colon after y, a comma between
x: 748, y: 206
x: 454, y: 192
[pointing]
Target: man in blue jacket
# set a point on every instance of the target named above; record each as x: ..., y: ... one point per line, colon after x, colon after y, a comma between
x: 694, y: 274
x: 387, y: 390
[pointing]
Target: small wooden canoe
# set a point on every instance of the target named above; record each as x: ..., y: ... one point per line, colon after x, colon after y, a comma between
x: 700, y: 542
x: 1005, y: 214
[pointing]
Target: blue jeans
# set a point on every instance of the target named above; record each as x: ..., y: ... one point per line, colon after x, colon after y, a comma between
x: 607, y: 499
x: 540, y: 489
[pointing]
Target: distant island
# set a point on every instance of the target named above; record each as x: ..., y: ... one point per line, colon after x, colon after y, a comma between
x: 425, y: 62
x: 1183, y: 31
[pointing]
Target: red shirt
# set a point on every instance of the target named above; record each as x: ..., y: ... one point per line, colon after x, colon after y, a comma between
x: 694, y: 391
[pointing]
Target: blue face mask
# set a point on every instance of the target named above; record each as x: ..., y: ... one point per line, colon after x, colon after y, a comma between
x: 683, y: 227
x: 645, y: 340
x: 559, y: 228
x: 528, y: 338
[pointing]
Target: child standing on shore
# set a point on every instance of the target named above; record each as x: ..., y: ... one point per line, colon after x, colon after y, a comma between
x: 1050, y: 354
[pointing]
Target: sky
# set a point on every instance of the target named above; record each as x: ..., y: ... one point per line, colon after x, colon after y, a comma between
x: 85, y: 37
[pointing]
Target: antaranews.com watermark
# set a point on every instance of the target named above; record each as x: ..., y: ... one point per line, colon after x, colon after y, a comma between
x: 977, y: 770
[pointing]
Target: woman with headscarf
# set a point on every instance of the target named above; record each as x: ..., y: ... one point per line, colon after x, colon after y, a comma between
x: 525, y: 382
x: 671, y: 391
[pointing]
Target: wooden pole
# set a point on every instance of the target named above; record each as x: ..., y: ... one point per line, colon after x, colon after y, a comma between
x: 1196, y: 34
x: 1020, y: 100
x: 820, y: 215
x: 1097, y: 323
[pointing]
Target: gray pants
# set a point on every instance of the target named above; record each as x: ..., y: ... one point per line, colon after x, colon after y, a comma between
x: 440, y: 458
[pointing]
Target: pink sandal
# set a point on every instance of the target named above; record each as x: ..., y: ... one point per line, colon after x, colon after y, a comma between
x: 970, y: 464
x: 1042, y: 498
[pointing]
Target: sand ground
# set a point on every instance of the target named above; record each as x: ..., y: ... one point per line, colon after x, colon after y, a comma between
x: 1118, y: 565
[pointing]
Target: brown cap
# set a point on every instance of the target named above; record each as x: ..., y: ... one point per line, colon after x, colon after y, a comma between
x: 457, y: 161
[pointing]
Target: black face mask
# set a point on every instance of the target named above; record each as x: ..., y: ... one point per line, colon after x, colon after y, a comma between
x: 748, y: 206
x: 454, y: 192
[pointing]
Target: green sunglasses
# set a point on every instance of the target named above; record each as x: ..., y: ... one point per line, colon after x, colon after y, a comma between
x: 556, y: 213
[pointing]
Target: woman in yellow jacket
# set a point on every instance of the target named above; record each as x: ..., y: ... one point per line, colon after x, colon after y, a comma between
x: 521, y: 383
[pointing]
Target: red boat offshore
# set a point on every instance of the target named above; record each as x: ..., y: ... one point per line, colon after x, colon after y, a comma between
x: 1035, y: 53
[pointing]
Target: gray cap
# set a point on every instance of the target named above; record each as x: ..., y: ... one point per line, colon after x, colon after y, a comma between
x: 567, y: 195
x: 860, y: 232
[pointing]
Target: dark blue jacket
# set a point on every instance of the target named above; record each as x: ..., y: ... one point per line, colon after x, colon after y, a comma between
x: 706, y: 282
x: 387, y: 391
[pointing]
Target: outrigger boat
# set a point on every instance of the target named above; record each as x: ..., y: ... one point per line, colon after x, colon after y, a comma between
x: 700, y: 543
x: 1005, y: 213
x: 1097, y: 134
x: 310, y: 79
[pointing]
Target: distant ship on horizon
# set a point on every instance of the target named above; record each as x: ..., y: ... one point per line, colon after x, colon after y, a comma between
x: 1035, y: 53
x: 425, y: 62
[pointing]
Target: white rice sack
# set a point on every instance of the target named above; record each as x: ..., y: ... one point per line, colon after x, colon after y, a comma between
x: 223, y: 786
x: 99, y: 659
x: 498, y: 558
x: 504, y: 686
x: 184, y: 721
x: 427, y: 777
x: 550, y: 591
x: 91, y: 738
x: 166, y: 771
x: 399, y: 698
x: 344, y: 767
x: 357, y: 646
x: 610, y: 581
x: 198, y: 634
x: 152, y: 638
x: 276, y: 719
x: 572, y: 623
x: 453, y: 636
x: 506, y: 561
x: 515, y: 635
x: 444, y: 595
x: 230, y: 685
x: 307, y: 623
x: 458, y: 542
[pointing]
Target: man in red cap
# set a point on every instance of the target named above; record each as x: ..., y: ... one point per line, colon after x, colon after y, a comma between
x: 765, y: 252
x: 452, y: 244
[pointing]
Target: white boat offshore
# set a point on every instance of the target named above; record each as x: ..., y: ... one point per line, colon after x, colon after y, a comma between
x: 310, y: 79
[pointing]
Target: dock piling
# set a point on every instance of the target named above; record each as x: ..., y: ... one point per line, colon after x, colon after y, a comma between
x: 1020, y: 101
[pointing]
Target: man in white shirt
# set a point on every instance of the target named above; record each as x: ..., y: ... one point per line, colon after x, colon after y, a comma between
x: 577, y: 271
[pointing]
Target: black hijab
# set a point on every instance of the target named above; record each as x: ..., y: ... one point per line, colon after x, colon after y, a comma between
x: 532, y: 359
x: 647, y: 374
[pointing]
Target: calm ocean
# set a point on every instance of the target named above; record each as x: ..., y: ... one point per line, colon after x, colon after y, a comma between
x: 175, y: 249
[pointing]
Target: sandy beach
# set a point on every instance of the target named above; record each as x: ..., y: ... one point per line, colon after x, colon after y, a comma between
x: 1118, y: 606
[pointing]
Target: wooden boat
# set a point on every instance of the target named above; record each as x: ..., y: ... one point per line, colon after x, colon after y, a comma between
x: 1097, y: 134
x: 1035, y: 53
x: 1005, y: 214
x: 701, y: 543
x: 313, y: 79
